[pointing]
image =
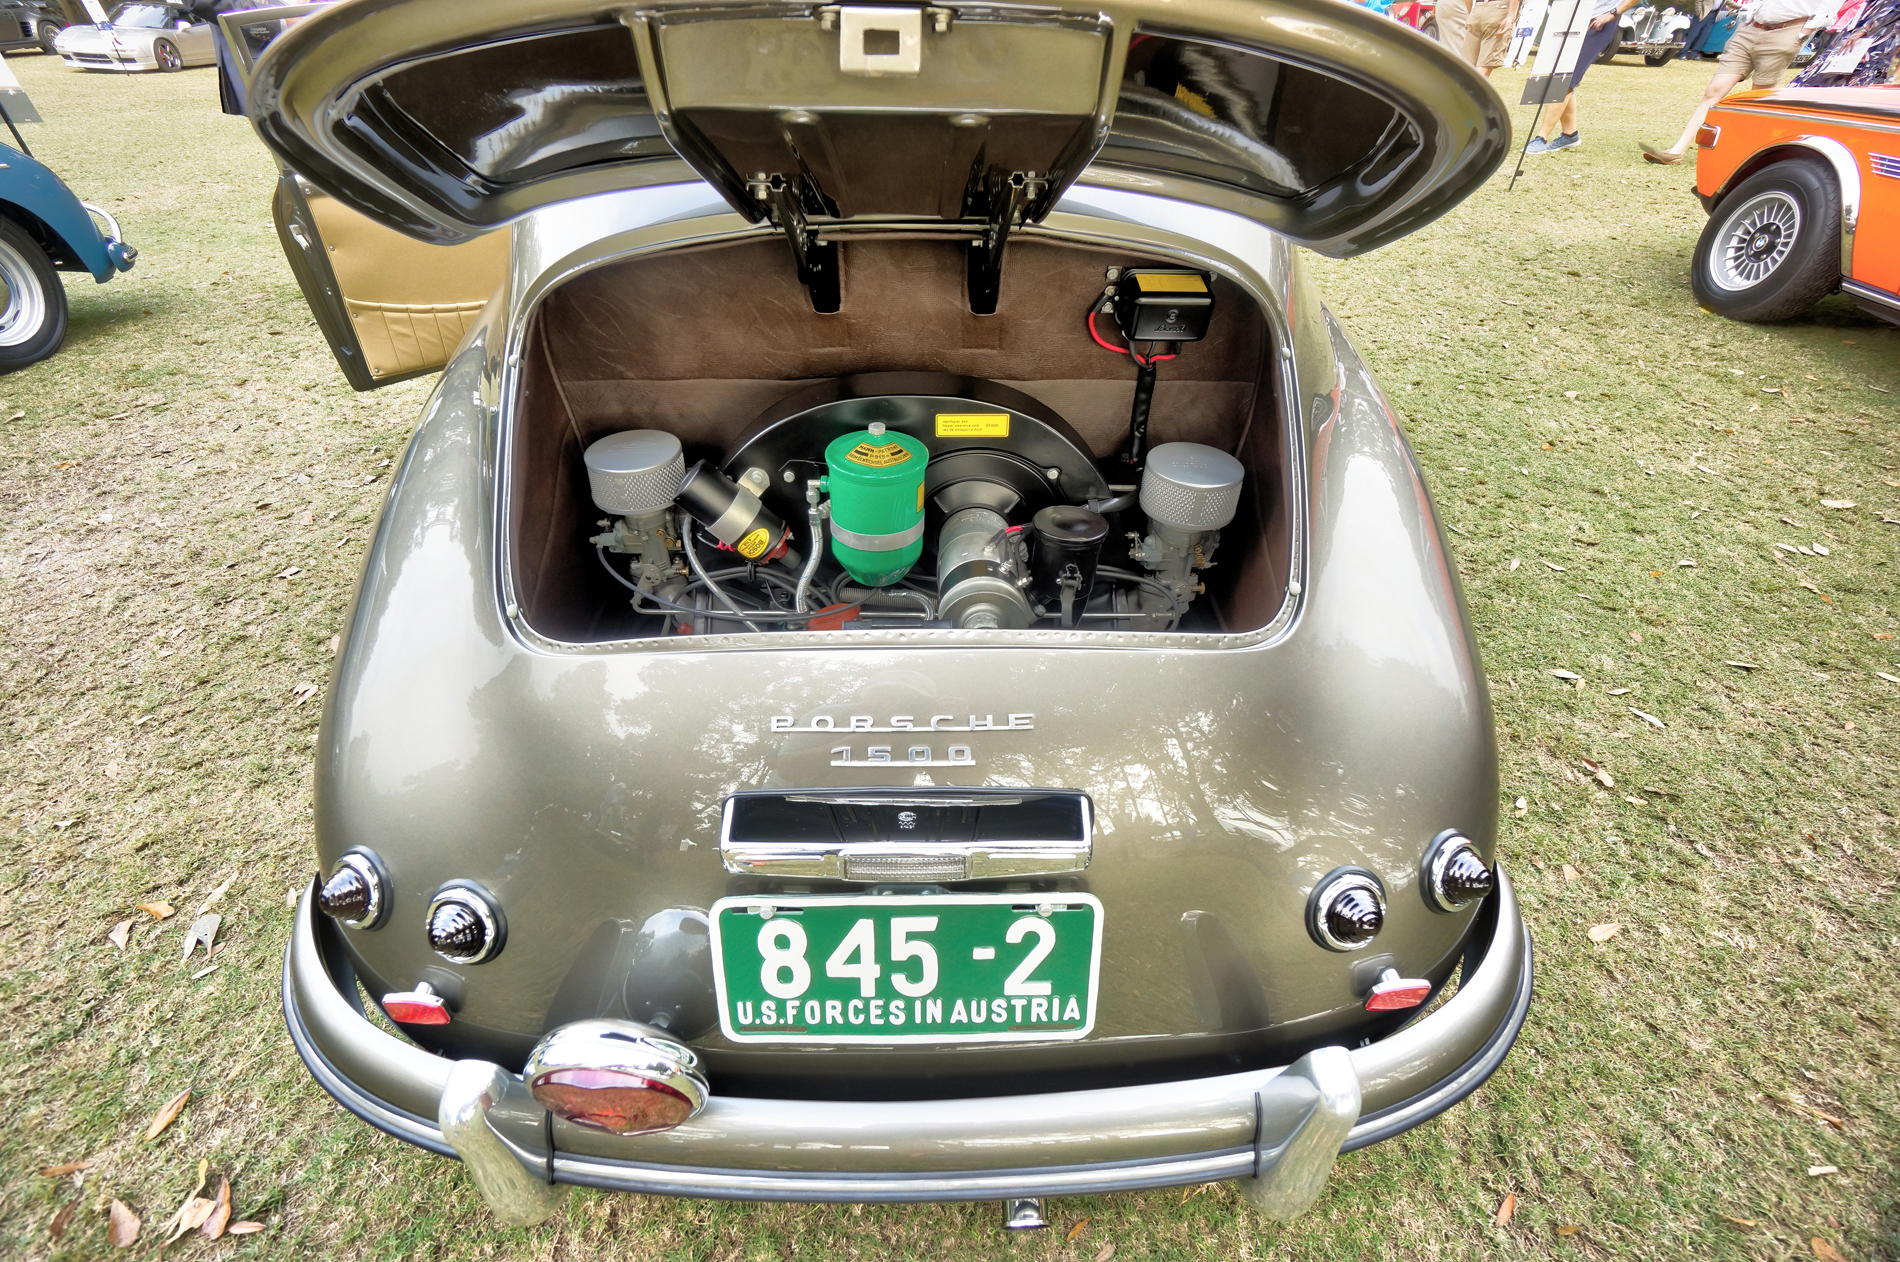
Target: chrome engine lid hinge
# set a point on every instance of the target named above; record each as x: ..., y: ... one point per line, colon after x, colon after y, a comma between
x: 817, y: 261
x: 1008, y: 197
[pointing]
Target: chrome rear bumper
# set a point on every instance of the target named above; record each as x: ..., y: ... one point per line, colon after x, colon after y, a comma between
x: 1277, y: 1129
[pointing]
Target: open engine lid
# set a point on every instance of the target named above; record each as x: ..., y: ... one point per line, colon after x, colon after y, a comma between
x: 445, y: 118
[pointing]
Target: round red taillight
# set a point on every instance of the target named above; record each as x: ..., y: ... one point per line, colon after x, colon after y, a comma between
x: 610, y: 1100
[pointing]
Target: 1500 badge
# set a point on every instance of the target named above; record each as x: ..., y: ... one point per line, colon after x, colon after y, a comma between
x: 913, y: 755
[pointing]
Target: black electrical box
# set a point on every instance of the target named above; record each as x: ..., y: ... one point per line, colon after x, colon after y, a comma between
x: 1152, y: 304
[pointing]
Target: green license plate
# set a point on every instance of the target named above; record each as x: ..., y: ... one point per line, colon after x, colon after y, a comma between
x: 946, y: 968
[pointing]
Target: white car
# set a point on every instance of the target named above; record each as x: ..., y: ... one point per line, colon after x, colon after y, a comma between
x: 140, y: 36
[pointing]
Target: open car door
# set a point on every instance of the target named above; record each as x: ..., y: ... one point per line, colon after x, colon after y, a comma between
x: 391, y: 307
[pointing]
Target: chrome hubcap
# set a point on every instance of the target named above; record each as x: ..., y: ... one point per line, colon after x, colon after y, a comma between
x: 1755, y: 240
x: 24, y: 309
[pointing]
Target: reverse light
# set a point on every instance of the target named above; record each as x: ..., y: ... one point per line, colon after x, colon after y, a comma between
x: 1346, y: 910
x: 616, y: 1076
x: 1706, y: 136
x: 421, y: 1006
x: 1452, y: 876
x: 465, y: 923
x: 355, y: 892
x: 1392, y: 992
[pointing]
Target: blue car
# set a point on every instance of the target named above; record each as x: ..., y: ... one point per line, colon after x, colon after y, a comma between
x: 45, y: 230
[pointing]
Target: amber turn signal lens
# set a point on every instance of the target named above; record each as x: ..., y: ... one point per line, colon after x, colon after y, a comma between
x: 610, y: 1100
x: 355, y: 892
x: 1706, y: 136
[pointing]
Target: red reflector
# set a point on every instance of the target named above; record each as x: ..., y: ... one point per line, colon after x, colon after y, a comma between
x: 1706, y: 136
x: 1405, y: 994
x: 421, y: 1006
x: 610, y: 1100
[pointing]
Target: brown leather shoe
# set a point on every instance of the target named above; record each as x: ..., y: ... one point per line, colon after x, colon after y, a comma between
x: 1661, y: 157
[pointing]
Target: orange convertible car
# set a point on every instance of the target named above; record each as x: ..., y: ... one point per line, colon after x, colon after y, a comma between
x: 1802, y: 186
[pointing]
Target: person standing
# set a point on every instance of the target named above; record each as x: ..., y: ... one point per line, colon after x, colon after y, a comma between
x: 1603, y: 30
x: 1771, y: 33
x: 1479, y: 31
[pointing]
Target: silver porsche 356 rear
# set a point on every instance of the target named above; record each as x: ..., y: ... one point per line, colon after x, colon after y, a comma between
x: 908, y: 658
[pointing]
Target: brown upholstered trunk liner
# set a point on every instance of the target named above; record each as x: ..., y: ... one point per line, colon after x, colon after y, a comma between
x: 699, y: 342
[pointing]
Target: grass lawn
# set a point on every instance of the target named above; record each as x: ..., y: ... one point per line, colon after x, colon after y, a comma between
x: 1617, y: 466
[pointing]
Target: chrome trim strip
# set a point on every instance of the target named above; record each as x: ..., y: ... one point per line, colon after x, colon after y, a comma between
x: 1117, y: 1139
x: 877, y: 543
x: 1806, y: 117
x: 1884, y: 164
x: 1870, y: 293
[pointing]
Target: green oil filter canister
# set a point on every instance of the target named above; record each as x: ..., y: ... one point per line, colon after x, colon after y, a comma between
x: 876, y: 481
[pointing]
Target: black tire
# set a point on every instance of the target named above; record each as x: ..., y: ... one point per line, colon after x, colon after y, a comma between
x: 47, y: 33
x: 1430, y: 29
x: 166, y: 53
x: 33, y: 310
x: 1662, y: 58
x: 1772, y: 247
x: 1610, y: 51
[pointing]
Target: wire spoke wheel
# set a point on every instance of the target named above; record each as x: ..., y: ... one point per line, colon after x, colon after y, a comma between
x: 1755, y: 240
x: 23, y: 315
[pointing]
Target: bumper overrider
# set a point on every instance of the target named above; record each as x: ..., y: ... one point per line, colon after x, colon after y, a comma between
x: 1277, y: 1131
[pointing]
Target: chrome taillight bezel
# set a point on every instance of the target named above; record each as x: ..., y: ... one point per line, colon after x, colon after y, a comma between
x: 479, y: 902
x: 1445, y: 847
x: 1333, y: 886
x: 368, y: 865
x: 624, y: 1048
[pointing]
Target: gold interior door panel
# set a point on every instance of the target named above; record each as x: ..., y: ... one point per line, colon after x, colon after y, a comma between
x: 409, y: 303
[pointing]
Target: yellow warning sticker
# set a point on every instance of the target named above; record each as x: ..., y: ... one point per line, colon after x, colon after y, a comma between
x: 753, y: 543
x: 1169, y: 283
x: 973, y: 425
x: 882, y: 457
x: 920, y: 497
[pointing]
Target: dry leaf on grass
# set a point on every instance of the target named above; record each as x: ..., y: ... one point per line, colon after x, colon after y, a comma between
x: 120, y: 932
x: 1507, y: 1208
x: 1603, y: 933
x: 1603, y: 778
x: 1570, y: 873
x: 1567, y: 676
x: 1106, y: 1252
x: 1569, y: 1229
x: 220, y: 1216
x: 1825, y: 1251
x: 1740, y: 1222
x: 1837, y: 504
x: 1650, y: 719
x: 219, y: 892
x: 1815, y: 1172
x: 1553, y: 565
x: 1075, y: 1231
x: 158, y: 911
x: 122, y: 1232
x: 167, y: 1115
x: 205, y: 930
x: 193, y: 1210
x: 57, y: 1227
x: 63, y: 1169
x: 244, y: 1228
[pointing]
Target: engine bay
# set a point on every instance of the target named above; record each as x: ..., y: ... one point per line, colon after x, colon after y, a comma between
x: 925, y: 500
